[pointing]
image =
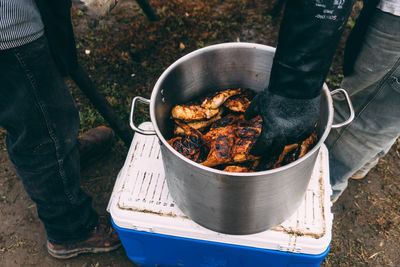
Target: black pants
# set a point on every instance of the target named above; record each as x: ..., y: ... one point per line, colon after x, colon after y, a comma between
x: 42, y: 122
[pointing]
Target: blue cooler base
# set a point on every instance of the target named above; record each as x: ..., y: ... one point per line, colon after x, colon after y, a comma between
x: 149, y: 249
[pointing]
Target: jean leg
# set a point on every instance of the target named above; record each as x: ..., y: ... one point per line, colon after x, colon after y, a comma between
x: 41, y: 119
x: 374, y: 91
x: 379, y: 53
x: 373, y: 131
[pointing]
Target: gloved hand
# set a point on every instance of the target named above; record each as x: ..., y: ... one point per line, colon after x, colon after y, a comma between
x: 95, y: 8
x: 309, y: 33
x: 285, y: 121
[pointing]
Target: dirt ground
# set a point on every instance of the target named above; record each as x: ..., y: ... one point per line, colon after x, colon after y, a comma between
x: 124, y: 53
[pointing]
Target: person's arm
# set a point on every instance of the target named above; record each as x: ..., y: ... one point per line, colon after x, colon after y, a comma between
x: 309, y: 33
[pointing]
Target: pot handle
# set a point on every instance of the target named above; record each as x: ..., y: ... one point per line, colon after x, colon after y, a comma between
x: 133, y: 126
x: 349, y: 104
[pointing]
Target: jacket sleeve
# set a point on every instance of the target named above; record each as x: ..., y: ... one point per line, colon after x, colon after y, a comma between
x: 309, y: 33
x: 56, y: 18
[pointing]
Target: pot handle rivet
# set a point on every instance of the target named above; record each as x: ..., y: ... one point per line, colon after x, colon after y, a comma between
x: 133, y: 126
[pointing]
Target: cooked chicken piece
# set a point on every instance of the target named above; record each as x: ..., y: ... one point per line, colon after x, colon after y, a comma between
x: 247, y: 133
x: 220, y: 142
x: 229, y: 119
x: 239, y: 103
x: 248, y: 166
x: 219, y: 98
x: 286, y: 151
x: 232, y: 143
x: 254, y: 164
x: 234, y: 168
x: 193, y: 112
x: 295, y: 151
x: 209, y: 107
x: 189, y: 145
x: 307, y: 144
x: 198, y: 125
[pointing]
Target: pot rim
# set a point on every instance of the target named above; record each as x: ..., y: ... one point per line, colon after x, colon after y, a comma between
x: 157, y: 88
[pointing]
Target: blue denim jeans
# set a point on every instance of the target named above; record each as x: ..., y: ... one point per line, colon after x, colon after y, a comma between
x: 41, y: 119
x: 374, y: 88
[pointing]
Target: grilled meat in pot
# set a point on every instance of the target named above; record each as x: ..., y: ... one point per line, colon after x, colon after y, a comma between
x: 215, y: 133
x: 232, y: 143
x: 210, y: 107
x: 193, y: 112
x: 189, y: 145
x: 227, y: 120
x: 218, y: 98
x: 220, y: 141
x: 234, y: 168
x: 307, y: 144
x: 239, y: 103
x: 198, y: 125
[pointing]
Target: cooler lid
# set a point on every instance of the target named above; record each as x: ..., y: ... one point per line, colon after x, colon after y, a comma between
x: 140, y: 201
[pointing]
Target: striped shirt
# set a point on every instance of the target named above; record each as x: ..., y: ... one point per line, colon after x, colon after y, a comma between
x: 390, y: 6
x: 20, y: 23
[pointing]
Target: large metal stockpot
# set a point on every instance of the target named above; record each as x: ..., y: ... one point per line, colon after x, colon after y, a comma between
x: 233, y: 203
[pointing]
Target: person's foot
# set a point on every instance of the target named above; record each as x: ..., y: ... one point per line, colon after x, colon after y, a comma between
x: 93, y: 144
x: 102, y: 239
x: 358, y: 176
x: 361, y: 173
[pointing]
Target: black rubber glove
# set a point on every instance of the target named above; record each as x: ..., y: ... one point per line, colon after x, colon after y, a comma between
x: 309, y: 33
x: 285, y: 121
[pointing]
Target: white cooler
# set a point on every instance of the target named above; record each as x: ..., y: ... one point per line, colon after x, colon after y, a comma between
x: 154, y: 232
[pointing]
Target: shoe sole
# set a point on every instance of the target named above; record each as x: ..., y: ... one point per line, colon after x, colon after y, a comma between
x: 357, y: 177
x: 75, y: 252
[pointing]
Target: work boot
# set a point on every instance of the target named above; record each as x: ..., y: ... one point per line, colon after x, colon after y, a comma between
x: 361, y: 173
x: 102, y: 239
x: 358, y: 176
x: 93, y: 144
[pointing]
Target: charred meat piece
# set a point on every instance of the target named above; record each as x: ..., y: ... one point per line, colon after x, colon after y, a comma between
x: 288, y: 155
x: 198, y: 125
x: 209, y: 107
x: 247, y: 135
x: 232, y: 143
x: 295, y: 151
x: 234, y: 168
x: 193, y: 112
x: 218, y: 98
x: 248, y: 166
x: 189, y: 145
x: 220, y: 141
x: 239, y: 103
x: 308, y: 144
x: 229, y: 119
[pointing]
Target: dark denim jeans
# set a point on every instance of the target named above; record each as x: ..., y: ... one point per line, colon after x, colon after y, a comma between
x: 374, y: 88
x: 41, y: 119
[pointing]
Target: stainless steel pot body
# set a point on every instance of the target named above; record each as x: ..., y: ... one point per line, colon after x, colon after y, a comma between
x: 233, y: 203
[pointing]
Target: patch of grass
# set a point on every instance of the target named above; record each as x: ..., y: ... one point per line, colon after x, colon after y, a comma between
x: 89, y: 118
